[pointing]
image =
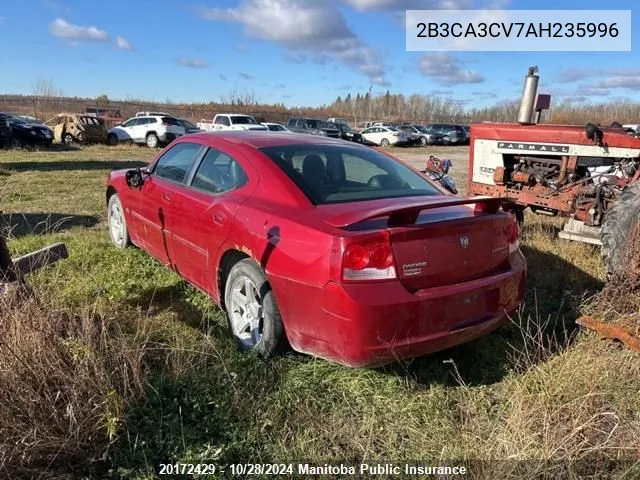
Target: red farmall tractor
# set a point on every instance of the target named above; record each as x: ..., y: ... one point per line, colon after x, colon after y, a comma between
x: 588, y: 174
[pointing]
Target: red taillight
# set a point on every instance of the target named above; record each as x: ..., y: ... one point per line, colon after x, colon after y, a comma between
x: 512, y: 232
x: 356, y: 257
x: 368, y: 258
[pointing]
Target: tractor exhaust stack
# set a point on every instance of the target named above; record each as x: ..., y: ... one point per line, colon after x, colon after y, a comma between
x: 527, y: 102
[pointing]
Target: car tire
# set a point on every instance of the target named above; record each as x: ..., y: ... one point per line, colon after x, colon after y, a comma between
x: 67, y: 139
x: 384, y: 142
x: 16, y: 143
x: 118, y: 230
x: 252, y: 313
x: 81, y: 137
x: 152, y: 140
x: 423, y: 141
x: 112, y: 139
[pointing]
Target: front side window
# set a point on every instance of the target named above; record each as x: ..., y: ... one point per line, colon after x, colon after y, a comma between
x: 176, y: 163
x: 333, y: 174
x: 218, y: 173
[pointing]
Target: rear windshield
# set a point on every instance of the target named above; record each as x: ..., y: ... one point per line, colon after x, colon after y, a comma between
x: 171, y: 121
x: 332, y: 174
x: 242, y: 120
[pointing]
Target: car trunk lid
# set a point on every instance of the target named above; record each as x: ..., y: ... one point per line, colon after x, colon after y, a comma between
x: 442, y: 241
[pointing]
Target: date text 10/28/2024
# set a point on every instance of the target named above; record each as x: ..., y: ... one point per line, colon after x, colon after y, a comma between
x: 274, y: 469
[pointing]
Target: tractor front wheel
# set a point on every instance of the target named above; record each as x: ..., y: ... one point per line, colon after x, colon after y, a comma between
x: 620, y: 234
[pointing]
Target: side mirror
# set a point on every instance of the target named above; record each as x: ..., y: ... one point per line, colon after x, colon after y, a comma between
x: 134, y: 178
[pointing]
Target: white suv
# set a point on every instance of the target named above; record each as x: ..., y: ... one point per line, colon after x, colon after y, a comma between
x: 152, y: 130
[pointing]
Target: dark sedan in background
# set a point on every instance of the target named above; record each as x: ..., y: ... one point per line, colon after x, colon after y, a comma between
x: 346, y: 132
x: 25, y: 133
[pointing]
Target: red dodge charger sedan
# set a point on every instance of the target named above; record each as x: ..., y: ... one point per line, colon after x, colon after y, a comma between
x: 333, y: 248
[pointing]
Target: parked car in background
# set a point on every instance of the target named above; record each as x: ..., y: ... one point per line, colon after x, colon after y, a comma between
x: 384, y: 136
x: 275, y: 127
x: 109, y: 116
x: 27, y: 134
x: 337, y: 120
x: 633, y: 128
x: 154, y: 131
x: 154, y: 114
x: 389, y: 265
x: 467, y: 131
x: 451, y: 134
x: 421, y: 134
x: 231, y: 121
x: 364, y: 125
x: 312, y: 126
x: 346, y: 132
x: 70, y: 128
x: 189, y: 127
x: 5, y: 132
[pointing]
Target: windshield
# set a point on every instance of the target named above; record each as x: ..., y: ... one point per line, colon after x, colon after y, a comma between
x: 16, y: 119
x: 243, y: 120
x: 421, y: 129
x: 188, y: 124
x: 333, y: 174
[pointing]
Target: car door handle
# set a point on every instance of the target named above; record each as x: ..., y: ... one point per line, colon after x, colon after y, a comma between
x: 219, y: 218
x: 166, y: 197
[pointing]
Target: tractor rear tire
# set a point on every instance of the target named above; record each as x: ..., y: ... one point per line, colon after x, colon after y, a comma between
x: 620, y: 226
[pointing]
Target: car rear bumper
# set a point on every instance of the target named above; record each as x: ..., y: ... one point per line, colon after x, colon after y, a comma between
x: 370, y: 325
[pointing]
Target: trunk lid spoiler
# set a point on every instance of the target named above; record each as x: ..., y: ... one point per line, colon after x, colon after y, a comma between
x: 407, y: 213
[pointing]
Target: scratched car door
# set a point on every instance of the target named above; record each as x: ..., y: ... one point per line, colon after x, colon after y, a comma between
x: 201, y: 217
x: 152, y: 205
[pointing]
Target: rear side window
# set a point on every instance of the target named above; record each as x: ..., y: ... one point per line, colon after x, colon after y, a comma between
x: 176, y: 163
x: 333, y: 174
x: 171, y: 121
x: 218, y: 173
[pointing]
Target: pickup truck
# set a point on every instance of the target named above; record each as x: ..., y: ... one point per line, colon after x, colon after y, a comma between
x: 230, y: 121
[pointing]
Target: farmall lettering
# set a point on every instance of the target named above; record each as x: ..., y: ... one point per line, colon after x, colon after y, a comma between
x: 534, y: 147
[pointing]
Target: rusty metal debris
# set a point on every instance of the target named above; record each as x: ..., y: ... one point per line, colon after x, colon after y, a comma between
x: 613, y: 332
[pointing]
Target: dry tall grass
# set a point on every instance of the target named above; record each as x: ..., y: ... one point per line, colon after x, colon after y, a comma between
x: 65, y: 380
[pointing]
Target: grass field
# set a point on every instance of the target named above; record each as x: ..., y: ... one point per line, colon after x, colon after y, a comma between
x: 120, y: 366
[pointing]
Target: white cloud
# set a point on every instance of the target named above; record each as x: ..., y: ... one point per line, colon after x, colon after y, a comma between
x: 123, y: 44
x: 308, y: 28
x: 193, y: 62
x: 620, y: 81
x: 63, y: 29
x: 445, y: 69
x: 391, y: 5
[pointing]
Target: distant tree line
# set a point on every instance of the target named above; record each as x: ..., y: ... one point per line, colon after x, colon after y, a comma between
x: 47, y: 100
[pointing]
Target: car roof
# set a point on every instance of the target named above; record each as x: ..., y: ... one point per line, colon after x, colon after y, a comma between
x: 260, y: 138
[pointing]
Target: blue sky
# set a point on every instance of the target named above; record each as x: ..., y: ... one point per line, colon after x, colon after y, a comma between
x: 299, y: 52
